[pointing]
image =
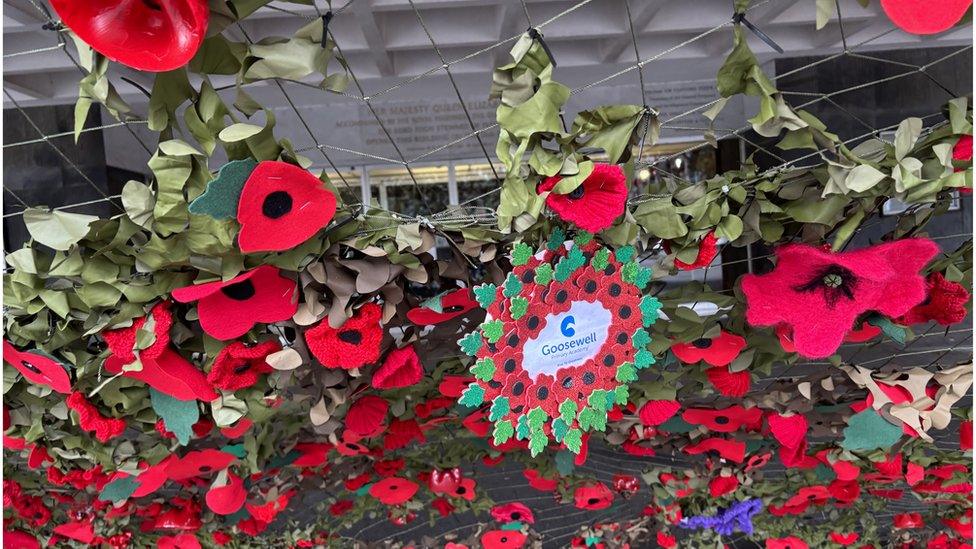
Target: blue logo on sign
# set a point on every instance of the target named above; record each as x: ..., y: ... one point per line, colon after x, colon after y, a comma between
x: 567, y: 326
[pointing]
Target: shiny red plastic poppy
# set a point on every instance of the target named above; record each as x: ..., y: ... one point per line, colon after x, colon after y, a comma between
x: 148, y: 35
x: 925, y: 16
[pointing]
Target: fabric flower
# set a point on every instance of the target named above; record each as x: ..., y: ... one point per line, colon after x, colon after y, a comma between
x: 502, y: 539
x: 90, y: 419
x: 789, y: 542
x: 228, y: 498
x: 595, y: 203
x: 820, y: 294
x: 721, y: 485
x: 443, y: 307
x: 717, y: 351
x: 38, y: 368
x: 962, y: 151
x: 512, y: 512
x: 147, y: 36
x: 238, y: 365
x: 922, y: 17
x: 179, y: 541
x: 229, y: 309
x: 199, y: 462
x: 725, y: 420
x: 656, y: 412
x: 732, y: 450
x: 341, y: 507
x: 352, y: 345
x: 593, y: 497
x: 908, y: 521
x: 402, y: 368
x: 945, y: 303
x: 281, y: 206
x: 367, y: 416
x: 18, y: 539
x: 442, y: 506
x: 539, y: 482
x: 729, y: 383
x: 394, y: 490
x: 844, y: 539
x: 707, y: 250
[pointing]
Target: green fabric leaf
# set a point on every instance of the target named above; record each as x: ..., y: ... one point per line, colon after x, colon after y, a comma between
x: 890, y: 329
x: 471, y: 343
x: 867, y: 430
x: 485, y: 294
x: 223, y: 193
x: 517, y: 307
x: 574, y: 440
x: 57, y: 229
x: 503, y: 432
x: 473, y: 396
x: 567, y: 411
x: 178, y: 415
x: 499, y: 407
x: 537, y: 442
x: 484, y: 369
x: 119, y: 489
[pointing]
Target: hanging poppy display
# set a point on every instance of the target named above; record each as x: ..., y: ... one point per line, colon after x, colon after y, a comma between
x: 925, y: 16
x: 562, y: 337
x: 38, y: 368
x: 228, y: 309
x: 394, y: 490
x: 154, y: 36
x: 354, y: 344
x: 819, y: 294
x: 595, y: 203
x: 443, y: 307
x: 238, y: 365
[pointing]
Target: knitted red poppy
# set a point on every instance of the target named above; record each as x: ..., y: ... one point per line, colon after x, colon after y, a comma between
x: 945, y: 303
x: 729, y: 383
x: 442, y: 308
x: 820, y: 294
x: 238, y: 365
x: 717, y: 351
x: 313, y: 454
x: 367, y: 416
x: 502, y: 539
x: 227, y: 310
x: 199, y: 462
x: 228, y: 498
x: 537, y: 481
x: 179, y: 541
x: 725, y: 420
x: 281, y: 206
x: 394, y: 490
x: 707, y: 250
x: 512, y: 512
x: 593, y: 497
x: 150, y: 36
x: 656, y: 412
x: 721, y: 485
x: 38, y: 368
x: 402, y: 368
x: 925, y: 16
x: 732, y: 450
x: 596, y: 203
x: 90, y: 419
x: 790, y: 431
x: 352, y: 345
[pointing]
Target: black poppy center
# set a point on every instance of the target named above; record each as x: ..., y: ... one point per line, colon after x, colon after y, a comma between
x: 568, y: 382
x: 615, y: 289
x: 543, y: 393
x: 533, y: 323
x: 702, y: 343
x: 576, y: 194
x: 240, y: 291
x: 509, y: 365
x: 561, y: 296
x: 589, y: 378
x: 454, y: 309
x: 504, y: 539
x: 152, y: 5
x: 352, y: 337
x: 461, y: 489
x: 30, y: 366
x: 590, y: 286
x: 205, y: 469
x: 593, y: 501
x: 528, y: 276
x: 276, y: 204
x: 516, y: 515
x: 721, y: 420
x: 518, y: 388
x: 834, y: 281
x: 625, y: 312
x: 242, y: 367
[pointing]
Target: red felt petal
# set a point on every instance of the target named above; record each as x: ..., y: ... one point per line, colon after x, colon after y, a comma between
x: 171, y: 374
x: 238, y: 365
x: 925, y: 16
x: 18, y: 539
x: 367, y: 416
x: 719, y: 486
x: 790, y: 431
x: 153, y: 478
x: 733, y: 450
x: 151, y: 36
x: 453, y: 305
x: 401, y: 368
x: 656, y: 412
x: 603, y: 199
x: 281, y: 206
x: 394, y: 490
x: 82, y: 531
x: 37, y: 368
x: 229, y: 498
x: 199, y: 463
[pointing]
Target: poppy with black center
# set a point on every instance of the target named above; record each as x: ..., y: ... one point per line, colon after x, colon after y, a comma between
x: 443, y: 308
x: 352, y: 345
x: 37, y: 368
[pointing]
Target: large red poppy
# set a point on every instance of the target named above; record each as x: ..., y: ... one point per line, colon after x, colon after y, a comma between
x: 729, y: 383
x: 281, y: 206
x: 402, y: 368
x: 229, y: 309
x: 596, y: 203
x: 502, y: 539
x: 442, y: 308
x: 656, y: 412
x: 38, y: 368
x: 238, y: 365
x: 200, y: 462
x: 820, y: 294
x: 352, y: 345
x: 593, y: 497
x: 154, y: 36
x: 725, y: 420
x: 717, y: 351
x: 394, y: 490
x: 512, y: 512
x: 367, y: 416
x: 925, y: 16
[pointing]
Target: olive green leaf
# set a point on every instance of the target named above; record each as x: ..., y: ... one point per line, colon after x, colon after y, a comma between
x: 56, y: 229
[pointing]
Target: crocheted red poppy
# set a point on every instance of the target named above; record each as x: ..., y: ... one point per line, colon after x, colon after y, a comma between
x: 227, y: 310
x: 90, y: 419
x: 38, y: 368
x: 925, y: 16
x: 502, y: 539
x: 593, y: 497
x: 945, y: 303
x: 153, y: 36
x: 596, y: 203
x: 707, y: 250
x: 402, y: 368
x: 729, y: 383
x: 281, y: 206
x: 238, y: 365
x: 512, y: 512
x: 656, y: 412
x: 228, y: 498
x: 820, y: 294
x: 352, y: 345
x: 200, y: 462
x: 717, y: 351
x: 367, y: 416
x: 394, y: 490
x: 725, y: 420
x: 442, y: 308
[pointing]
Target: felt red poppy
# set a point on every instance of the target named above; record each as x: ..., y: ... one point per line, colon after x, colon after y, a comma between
x: 945, y: 303
x: 313, y: 454
x: 962, y: 151
x: 37, y: 368
x: 666, y: 541
x: 78, y: 530
x: 228, y: 498
x: 153, y: 36
x: 179, y: 541
x: 401, y: 433
x: 595, y: 203
x: 820, y: 294
x: 725, y: 420
x: 90, y: 419
x: 238, y: 429
x: 394, y: 490
x: 789, y: 542
x: 199, y: 462
x: 502, y: 539
x: 18, y: 539
x: 593, y: 497
x: 281, y: 206
x: 707, y: 250
x: 239, y: 365
x: 539, y: 482
x: 341, y: 507
x: 367, y: 416
x: 443, y: 307
x: 402, y: 368
x: 721, y: 485
x: 228, y: 309
x: 352, y: 345
x: 790, y: 431
x: 844, y: 539
x: 512, y: 512
x: 656, y: 412
x: 717, y: 351
x: 732, y: 450
x: 464, y: 489
x: 925, y: 16
x: 729, y: 383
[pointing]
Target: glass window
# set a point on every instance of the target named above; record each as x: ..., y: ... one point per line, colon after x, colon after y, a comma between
x: 399, y: 192
x: 477, y: 184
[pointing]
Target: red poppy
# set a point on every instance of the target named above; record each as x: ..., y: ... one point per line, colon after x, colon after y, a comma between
x: 733, y: 450
x: 962, y: 151
x: 367, y: 416
x: 717, y: 351
x: 464, y: 489
x: 453, y: 386
x: 819, y: 294
x: 18, y: 539
x: 199, y: 462
x: 281, y: 206
x: 79, y: 530
x: 626, y: 485
x: 656, y: 412
x: 966, y: 435
x: 502, y: 539
x: 352, y: 345
x: 38, y: 368
x: 445, y: 481
x: 228, y: 498
x: 341, y: 507
x: 790, y: 430
x: 666, y: 541
x: 595, y: 203
x: 945, y: 303
x: 789, y: 542
x: 443, y: 307
x: 90, y: 419
x: 707, y: 250
x: 228, y: 309
x: 539, y: 482
x: 393, y: 490
x: 923, y: 16
x: 442, y: 506
x: 906, y: 521
x: 593, y: 497
x: 844, y: 539
x: 725, y: 420
x: 238, y: 429
x: 154, y: 36
x: 180, y: 541
x: 721, y: 485
x: 314, y: 454
x: 512, y: 512
x: 239, y: 365
x: 729, y: 383
x: 402, y: 368
x: 401, y: 433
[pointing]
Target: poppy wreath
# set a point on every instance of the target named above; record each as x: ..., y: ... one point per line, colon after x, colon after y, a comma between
x: 581, y: 386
